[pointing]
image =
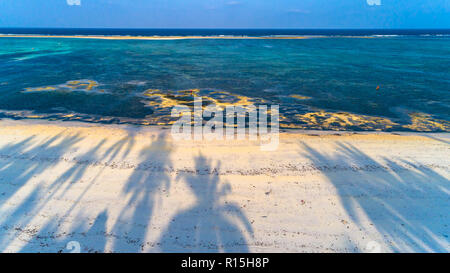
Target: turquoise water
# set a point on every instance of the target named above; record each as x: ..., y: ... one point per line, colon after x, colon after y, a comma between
x: 383, y: 83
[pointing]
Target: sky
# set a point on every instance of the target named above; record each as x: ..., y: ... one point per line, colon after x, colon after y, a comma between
x: 226, y: 13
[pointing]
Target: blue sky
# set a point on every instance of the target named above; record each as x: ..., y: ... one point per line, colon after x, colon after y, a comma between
x: 226, y: 13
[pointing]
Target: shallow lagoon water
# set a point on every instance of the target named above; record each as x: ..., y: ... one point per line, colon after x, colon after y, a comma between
x: 333, y: 83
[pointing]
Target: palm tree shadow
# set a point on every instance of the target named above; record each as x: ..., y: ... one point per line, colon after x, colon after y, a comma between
x: 24, y: 161
x: 143, y: 191
x: 211, y: 224
x: 94, y: 235
x: 39, y: 158
x: 90, y: 236
x: 406, y: 202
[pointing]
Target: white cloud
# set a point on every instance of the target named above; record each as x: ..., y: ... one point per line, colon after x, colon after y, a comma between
x: 74, y: 2
x: 374, y: 2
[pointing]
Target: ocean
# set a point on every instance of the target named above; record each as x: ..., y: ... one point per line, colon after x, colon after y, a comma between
x: 342, y: 80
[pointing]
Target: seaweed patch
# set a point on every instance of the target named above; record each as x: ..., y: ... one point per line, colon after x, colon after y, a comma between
x: 422, y: 122
x: 162, y: 102
x: 76, y: 85
x: 300, y: 97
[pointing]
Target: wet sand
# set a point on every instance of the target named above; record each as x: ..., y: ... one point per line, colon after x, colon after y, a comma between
x: 134, y: 189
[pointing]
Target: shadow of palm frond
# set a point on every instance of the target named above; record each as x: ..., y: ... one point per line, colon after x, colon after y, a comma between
x: 143, y: 191
x: 211, y: 224
x: 42, y: 157
x: 406, y: 202
x: 22, y: 162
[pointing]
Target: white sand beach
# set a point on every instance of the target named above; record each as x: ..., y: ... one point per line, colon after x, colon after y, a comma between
x: 118, y: 188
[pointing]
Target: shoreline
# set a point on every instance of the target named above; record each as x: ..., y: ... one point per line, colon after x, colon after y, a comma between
x: 127, y: 188
x: 157, y: 127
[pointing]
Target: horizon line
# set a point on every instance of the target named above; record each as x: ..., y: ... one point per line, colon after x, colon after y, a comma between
x: 208, y: 28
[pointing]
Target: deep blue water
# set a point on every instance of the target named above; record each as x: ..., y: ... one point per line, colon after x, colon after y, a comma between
x: 381, y: 83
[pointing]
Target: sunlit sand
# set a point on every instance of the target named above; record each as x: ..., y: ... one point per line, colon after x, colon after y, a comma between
x: 124, y: 188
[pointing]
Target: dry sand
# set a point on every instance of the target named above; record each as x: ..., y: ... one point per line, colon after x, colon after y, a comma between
x: 132, y: 189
